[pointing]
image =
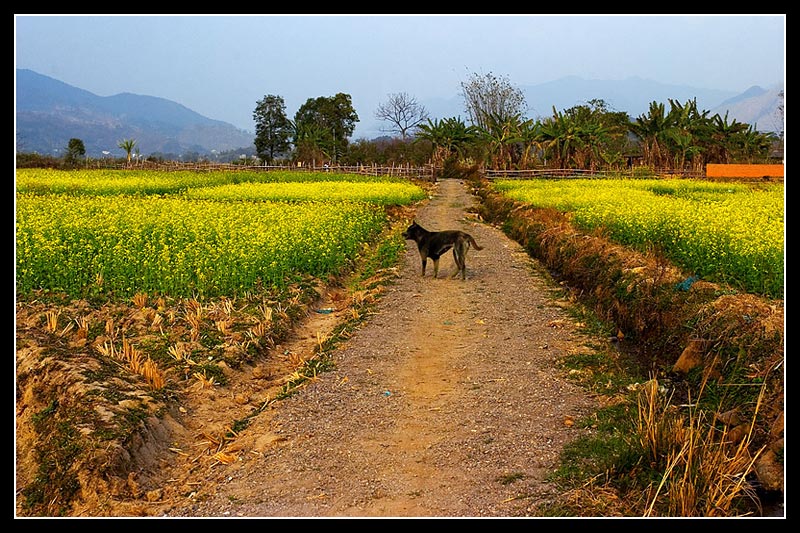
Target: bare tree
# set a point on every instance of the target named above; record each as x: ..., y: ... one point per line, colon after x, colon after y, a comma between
x: 403, y: 112
x: 488, y: 98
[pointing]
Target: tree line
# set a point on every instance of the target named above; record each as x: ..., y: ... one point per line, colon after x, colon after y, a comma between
x: 498, y: 135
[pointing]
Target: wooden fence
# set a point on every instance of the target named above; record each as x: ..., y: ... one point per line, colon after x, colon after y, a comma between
x: 588, y: 174
x: 425, y: 172
x: 429, y: 172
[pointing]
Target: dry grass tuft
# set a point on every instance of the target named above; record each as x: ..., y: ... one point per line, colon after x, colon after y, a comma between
x: 204, y: 381
x: 139, y: 300
x: 705, y: 471
x: 51, y: 320
x: 83, y: 327
x: 135, y: 361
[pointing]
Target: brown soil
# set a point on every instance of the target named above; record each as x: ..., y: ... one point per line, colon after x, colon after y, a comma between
x: 448, y: 401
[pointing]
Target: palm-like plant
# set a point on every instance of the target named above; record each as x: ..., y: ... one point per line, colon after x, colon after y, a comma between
x: 433, y: 132
x: 722, y: 139
x: 530, y: 132
x: 449, y: 136
x: 502, y: 133
x: 561, y: 139
x: 650, y: 128
x: 127, y: 145
x: 688, y: 133
x: 751, y: 144
x: 593, y: 137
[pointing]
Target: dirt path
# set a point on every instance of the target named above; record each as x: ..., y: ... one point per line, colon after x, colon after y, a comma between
x: 447, y: 402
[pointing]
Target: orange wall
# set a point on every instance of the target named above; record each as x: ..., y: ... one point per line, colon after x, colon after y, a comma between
x: 744, y: 171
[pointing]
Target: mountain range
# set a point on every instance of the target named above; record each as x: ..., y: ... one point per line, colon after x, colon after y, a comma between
x: 50, y: 112
x: 634, y: 96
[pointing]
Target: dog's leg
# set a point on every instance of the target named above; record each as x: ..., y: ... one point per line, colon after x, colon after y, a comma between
x: 424, y: 264
x: 459, y: 254
x: 435, y: 268
x: 457, y: 259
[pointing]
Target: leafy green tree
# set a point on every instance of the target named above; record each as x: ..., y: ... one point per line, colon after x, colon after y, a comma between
x: 311, y: 142
x: 679, y: 139
x: 687, y: 138
x: 75, y: 151
x: 333, y: 117
x: 588, y: 136
x: 614, y: 126
x: 273, y: 128
x: 127, y: 145
x: 363, y: 151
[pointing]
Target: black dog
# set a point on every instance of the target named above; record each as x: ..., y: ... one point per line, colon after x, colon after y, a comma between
x: 434, y: 244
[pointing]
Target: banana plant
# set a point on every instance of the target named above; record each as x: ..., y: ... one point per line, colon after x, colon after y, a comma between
x: 502, y: 134
x: 448, y: 136
x: 127, y: 145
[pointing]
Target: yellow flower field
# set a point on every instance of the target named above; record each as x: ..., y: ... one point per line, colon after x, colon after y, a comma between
x: 723, y: 232
x: 175, y: 233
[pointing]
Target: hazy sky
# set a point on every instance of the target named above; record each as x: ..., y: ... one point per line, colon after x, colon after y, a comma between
x: 221, y: 65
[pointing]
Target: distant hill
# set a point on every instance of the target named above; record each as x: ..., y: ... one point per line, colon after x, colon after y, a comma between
x: 756, y: 106
x: 49, y: 113
x: 632, y: 95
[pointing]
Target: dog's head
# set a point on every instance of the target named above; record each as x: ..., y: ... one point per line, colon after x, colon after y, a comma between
x: 412, y: 231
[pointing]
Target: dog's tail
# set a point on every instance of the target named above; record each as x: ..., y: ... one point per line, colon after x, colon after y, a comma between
x: 473, y: 243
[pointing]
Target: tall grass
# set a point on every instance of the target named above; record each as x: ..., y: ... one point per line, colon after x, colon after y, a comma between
x: 704, y: 467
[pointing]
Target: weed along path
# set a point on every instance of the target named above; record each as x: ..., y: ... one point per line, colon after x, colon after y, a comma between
x: 447, y: 401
